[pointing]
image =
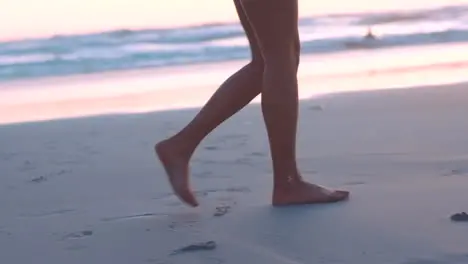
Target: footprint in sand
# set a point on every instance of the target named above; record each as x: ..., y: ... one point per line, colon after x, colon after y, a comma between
x: 5, y: 232
x: 449, y: 258
x: 88, y: 150
x: 222, y: 210
x: 456, y: 172
x: 258, y: 154
x: 315, y: 108
x: 51, y: 145
x: 211, y: 148
x: 238, y: 190
x: 7, y: 156
x: 204, y: 174
x: 230, y: 141
x: 27, y: 166
x: 44, y: 178
x: 182, y: 224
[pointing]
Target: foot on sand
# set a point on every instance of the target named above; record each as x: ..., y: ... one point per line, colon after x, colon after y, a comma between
x: 176, y: 166
x: 302, y: 192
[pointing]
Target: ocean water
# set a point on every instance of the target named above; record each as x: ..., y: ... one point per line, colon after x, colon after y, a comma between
x: 134, y: 49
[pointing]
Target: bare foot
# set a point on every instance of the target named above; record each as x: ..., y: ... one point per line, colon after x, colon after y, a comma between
x: 177, y: 170
x: 302, y: 192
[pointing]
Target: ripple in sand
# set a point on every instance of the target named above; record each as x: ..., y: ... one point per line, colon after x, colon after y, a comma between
x: 228, y: 190
x: 355, y: 183
x: 75, y: 247
x: 126, y: 217
x: 48, y: 214
x: 80, y: 234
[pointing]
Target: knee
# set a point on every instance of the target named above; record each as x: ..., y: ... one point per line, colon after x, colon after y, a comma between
x: 282, y: 63
x: 284, y: 56
x: 297, y: 54
x: 257, y: 65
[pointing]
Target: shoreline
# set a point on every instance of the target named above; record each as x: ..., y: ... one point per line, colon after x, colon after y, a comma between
x: 157, y: 101
x: 160, y: 89
x: 442, y: 55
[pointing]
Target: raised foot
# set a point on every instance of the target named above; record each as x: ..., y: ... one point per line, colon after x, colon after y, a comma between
x: 306, y: 193
x: 176, y: 166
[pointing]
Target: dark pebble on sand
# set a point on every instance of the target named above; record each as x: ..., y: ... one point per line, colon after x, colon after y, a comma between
x: 39, y: 179
x: 460, y: 217
x: 210, y: 245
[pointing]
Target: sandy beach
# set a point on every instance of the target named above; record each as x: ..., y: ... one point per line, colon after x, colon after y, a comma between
x: 89, y: 189
x: 88, y: 88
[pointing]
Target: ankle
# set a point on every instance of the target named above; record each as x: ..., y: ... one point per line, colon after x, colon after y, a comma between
x: 180, y: 145
x: 287, y: 184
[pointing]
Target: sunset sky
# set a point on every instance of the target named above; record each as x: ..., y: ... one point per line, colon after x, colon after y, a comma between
x: 36, y: 18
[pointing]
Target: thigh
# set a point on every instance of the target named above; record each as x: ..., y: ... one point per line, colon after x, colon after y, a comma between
x: 249, y: 32
x: 275, y: 25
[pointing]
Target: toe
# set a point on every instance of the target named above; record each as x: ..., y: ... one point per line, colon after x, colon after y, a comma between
x: 189, y: 198
x: 340, y: 195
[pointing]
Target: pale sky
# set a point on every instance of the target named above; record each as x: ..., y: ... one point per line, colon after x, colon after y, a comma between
x: 37, y: 18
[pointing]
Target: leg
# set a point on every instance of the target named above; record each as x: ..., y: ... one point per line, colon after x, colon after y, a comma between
x: 275, y: 25
x: 235, y: 93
